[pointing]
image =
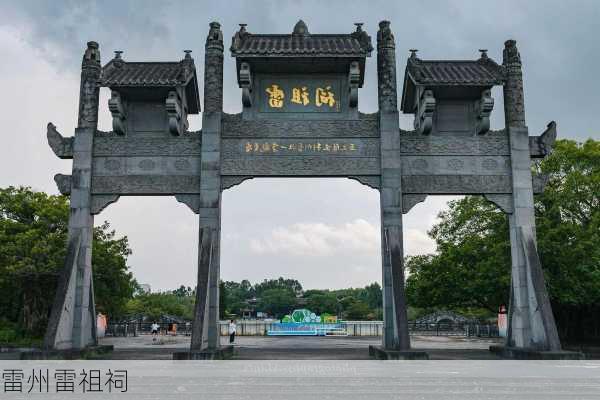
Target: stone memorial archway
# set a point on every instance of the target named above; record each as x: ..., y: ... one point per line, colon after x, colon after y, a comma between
x: 300, y: 118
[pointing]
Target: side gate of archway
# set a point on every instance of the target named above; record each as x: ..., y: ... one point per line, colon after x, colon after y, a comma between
x: 300, y: 118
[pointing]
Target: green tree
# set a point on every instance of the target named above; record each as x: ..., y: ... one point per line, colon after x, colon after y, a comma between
x: 277, y: 302
x: 472, y: 264
x: 33, y: 233
x: 358, y: 311
x: 321, y: 301
x: 280, y: 283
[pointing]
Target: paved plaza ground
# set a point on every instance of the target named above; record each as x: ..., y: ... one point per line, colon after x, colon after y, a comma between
x: 302, y: 347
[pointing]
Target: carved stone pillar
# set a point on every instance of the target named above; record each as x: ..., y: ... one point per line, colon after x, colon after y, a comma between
x: 395, y: 329
x: 205, y: 333
x: 530, y: 321
x: 72, y: 323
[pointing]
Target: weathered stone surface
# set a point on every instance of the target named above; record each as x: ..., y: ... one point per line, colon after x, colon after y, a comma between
x: 236, y: 127
x: 541, y: 146
x: 301, y: 166
x: 100, y: 202
x: 151, y: 185
x: 72, y: 324
x: 179, y: 146
x: 456, y: 184
x: 64, y: 183
x: 494, y: 143
x: 190, y: 200
x: 231, y: 181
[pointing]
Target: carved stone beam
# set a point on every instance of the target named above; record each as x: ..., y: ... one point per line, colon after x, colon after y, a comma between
x: 486, y: 105
x: 424, y: 117
x: 118, y: 111
x: 63, y: 182
x: 353, y: 82
x: 174, y: 114
x: 246, y: 84
x: 61, y: 146
x: 541, y: 146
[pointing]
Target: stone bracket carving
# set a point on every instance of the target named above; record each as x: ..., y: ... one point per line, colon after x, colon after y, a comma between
x: 61, y: 146
x: 245, y: 81
x: 424, y: 117
x: 175, y: 114
x: 63, y: 182
x: 101, y: 201
x: 485, y: 107
x: 503, y: 201
x: 541, y: 146
x: 190, y: 200
x: 539, y: 182
x: 119, y: 114
x: 372, y: 181
x: 231, y: 181
x: 353, y: 82
x: 411, y: 200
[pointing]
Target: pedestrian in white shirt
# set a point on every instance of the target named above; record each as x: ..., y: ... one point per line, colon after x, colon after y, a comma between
x: 232, y: 330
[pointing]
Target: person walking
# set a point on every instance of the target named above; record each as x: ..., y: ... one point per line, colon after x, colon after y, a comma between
x: 154, y: 328
x: 232, y: 330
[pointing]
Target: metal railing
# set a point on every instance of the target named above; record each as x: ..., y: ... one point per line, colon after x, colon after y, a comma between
x: 353, y: 328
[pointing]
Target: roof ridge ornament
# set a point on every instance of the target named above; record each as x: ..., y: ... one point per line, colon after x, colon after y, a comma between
x: 300, y: 29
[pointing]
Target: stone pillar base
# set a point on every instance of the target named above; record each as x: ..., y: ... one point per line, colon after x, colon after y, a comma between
x: 518, y: 353
x: 88, y: 353
x: 222, y: 353
x: 379, y: 353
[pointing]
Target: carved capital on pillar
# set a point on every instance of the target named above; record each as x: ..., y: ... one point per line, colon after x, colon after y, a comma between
x: 89, y: 89
x: 424, y: 118
x: 386, y: 69
x: 485, y: 107
x: 214, y: 40
x: 213, y: 70
x: 385, y: 37
x: 63, y: 182
x: 514, y: 103
x: 353, y: 83
x: 61, y: 146
x: 119, y: 114
x: 246, y: 84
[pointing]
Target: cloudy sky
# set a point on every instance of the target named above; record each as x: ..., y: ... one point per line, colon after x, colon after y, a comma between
x: 324, y: 232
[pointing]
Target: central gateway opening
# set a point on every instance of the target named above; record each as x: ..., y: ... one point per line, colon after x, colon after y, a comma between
x: 325, y: 234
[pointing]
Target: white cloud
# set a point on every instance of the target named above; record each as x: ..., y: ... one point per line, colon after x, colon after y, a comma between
x: 318, y: 239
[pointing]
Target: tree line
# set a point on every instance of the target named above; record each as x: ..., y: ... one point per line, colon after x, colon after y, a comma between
x: 471, y: 268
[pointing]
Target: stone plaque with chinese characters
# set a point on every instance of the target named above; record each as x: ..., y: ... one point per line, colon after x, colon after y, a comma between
x: 300, y: 96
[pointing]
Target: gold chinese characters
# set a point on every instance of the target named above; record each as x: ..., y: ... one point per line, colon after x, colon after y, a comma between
x: 275, y: 147
x: 324, y: 96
